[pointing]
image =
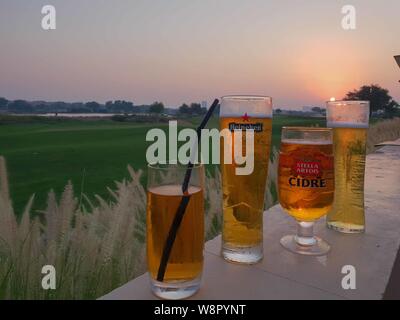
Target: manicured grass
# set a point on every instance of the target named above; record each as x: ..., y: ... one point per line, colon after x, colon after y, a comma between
x: 92, y: 154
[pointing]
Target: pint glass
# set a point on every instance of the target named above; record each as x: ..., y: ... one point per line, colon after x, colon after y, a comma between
x: 349, y: 120
x: 243, y: 195
x: 164, y: 195
x: 306, y: 184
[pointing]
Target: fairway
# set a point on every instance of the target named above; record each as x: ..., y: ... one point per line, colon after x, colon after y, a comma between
x: 92, y: 154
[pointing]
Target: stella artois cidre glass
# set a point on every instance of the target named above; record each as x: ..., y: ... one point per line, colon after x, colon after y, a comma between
x: 306, y: 184
x: 349, y: 120
x: 243, y: 195
x: 164, y: 194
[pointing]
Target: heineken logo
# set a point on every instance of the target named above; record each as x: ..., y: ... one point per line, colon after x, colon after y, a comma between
x: 257, y: 127
x: 246, y: 125
x: 245, y: 117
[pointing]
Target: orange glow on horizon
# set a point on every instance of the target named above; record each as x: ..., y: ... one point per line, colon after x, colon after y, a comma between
x: 329, y: 68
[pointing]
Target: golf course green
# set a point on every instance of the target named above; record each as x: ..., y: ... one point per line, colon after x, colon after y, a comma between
x: 92, y: 154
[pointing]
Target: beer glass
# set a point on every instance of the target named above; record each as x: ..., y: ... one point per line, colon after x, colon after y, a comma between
x: 349, y: 120
x: 306, y: 184
x: 164, y: 195
x: 243, y: 195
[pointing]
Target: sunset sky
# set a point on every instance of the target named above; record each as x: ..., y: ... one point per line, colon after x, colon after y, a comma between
x: 182, y: 51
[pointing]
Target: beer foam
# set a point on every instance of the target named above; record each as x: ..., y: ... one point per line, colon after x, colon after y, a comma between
x: 240, y: 115
x: 355, y: 125
x: 253, y: 106
x: 306, y: 142
x: 348, y: 114
x: 172, y: 190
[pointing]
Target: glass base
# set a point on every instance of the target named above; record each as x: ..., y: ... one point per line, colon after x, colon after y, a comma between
x: 318, y: 248
x: 345, y: 227
x: 244, y: 255
x: 175, y: 290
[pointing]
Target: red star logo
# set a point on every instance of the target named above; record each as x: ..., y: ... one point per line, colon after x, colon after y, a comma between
x: 245, y: 117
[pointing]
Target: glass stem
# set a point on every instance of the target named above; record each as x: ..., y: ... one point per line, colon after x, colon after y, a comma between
x: 305, y: 234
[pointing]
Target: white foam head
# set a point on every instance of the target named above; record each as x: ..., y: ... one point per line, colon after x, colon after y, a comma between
x: 307, y: 135
x: 343, y: 124
x: 347, y: 114
x: 253, y: 106
x: 307, y: 142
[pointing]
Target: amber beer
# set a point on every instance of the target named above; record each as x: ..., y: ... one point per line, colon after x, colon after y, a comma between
x: 185, y: 263
x: 306, y: 179
x: 186, y: 259
x: 349, y: 120
x: 244, y: 195
x: 306, y: 184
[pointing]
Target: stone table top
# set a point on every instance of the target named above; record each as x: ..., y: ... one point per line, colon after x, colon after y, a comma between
x: 283, y: 275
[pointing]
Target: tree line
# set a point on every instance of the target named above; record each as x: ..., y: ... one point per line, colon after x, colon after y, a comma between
x: 380, y: 102
x: 116, y: 106
x: 379, y: 98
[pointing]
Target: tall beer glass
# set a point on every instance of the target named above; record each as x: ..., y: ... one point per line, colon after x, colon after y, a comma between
x: 306, y: 184
x: 349, y: 120
x: 243, y: 195
x: 164, y: 194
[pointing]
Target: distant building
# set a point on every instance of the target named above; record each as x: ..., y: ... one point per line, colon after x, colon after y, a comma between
x: 204, y: 104
x: 378, y: 113
x: 283, y: 111
x: 171, y: 111
x: 307, y: 109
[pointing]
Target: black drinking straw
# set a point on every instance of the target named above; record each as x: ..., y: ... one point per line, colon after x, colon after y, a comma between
x: 180, y: 212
